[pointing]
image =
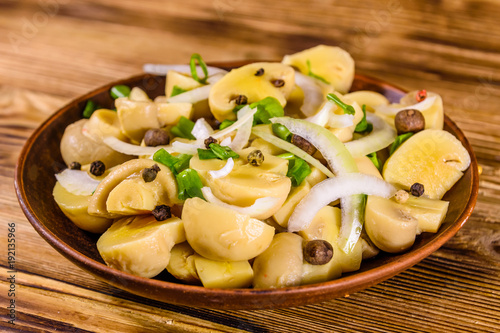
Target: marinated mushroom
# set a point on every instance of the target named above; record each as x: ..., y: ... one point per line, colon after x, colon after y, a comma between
x: 219, y: 233
x: 243, y: 81
x: 75, y: 146
x: 124, y: 192
x: 280, y: 265
x: 140, y: 245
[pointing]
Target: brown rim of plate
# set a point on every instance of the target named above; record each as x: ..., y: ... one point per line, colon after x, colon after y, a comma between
x: 183, y: 294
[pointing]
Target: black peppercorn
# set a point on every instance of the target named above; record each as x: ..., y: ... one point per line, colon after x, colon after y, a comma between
x: 208, y: 141
x: 75, y: 166
x: 241, y: 100
x: 417, y: 189
x: 149, y: 174
x: 278, y: 83
x: 260, y: 72
x: 303, y: 144
x: 318, y: 252
x: 255, y: 158
x: 97, y: 168
x: 162, y: 213
x: 409, y: 120
x: 156, y: 137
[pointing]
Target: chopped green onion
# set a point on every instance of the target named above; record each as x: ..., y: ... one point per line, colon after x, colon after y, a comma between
x: 311, y: 74
x: 206, y: 154
x: 363, y: 126
x: 282, y: 132
x: 192, y: 64
x: 90, y: 107
x: 399, y: 141
x: 373, y: 157
x: 298, y: 170
x: 183, y: 129
x: 120, y: 91
x: 348, y: 109
x: 267, y: 108
x: 226, y: 123
x: 238, y: 108
x: 176, y: 90
x: 189, y: 184
x: 175, y: 163
x: 188, y: 181
x: 286, y: 156
x: 216, y: 151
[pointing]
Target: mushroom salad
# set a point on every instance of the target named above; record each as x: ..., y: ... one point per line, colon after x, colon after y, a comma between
x: 270, y: 175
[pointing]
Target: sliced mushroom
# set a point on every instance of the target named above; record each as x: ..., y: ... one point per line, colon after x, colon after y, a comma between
x: 277, y: 81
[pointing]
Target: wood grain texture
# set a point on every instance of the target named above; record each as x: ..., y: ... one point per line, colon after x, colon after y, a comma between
x: 52, y: 51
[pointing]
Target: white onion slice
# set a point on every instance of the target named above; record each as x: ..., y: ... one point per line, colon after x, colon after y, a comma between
x: 333, y: 150
x: 240, y: 122
x: 340, y: 120
x: 224, y: 171
x: 77, y: 182
x: 292, y: 149
x: 159, y: 69
x: 322, y: 116
x: 341, y: 162
x: 332, y: 189
x: 259, y: 207
x: 202, y: 129
x: 313, y: 96
x: 421, y: 106
x: 381, y: 136
x: 187, y: 148
x: 130, y: 149
x: 243, y: 133
x: 226, y: 141
x: 192, y: 96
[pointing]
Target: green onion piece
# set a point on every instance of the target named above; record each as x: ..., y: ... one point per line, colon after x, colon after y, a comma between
x: 282, y: 132
x: 216, y: 151
x: 206, y: 154
x: 175, y: 163
x: 373, y: 157
x: 287, y: 156
x: 176, y: 90
x: 311, y: 74
x: 348, y: 109
x: 238, y: 108
x: 182, y: 163
x: 183, y: 129
x: 189, y: 184
x: 192, y: 64
x: 399, y: 141
x: 120, y: 91
x: 90, y: 107
x: 267, y: 108
x: 226, y: 123
x: 298, y: 170
x: 363, y: 126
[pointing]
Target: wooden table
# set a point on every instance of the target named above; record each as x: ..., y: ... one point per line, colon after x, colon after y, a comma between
x: 54, y: 50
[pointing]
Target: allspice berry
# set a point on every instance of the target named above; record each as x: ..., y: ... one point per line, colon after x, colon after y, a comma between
x: 97, y: 168
x: 318, y: 252
x: 417, y: 189
x: 409, y: 120
x: 303, y: 144
x: 156, y: 137
x: 75, y: 166
x: 208, y: 141
x: 162, y: 213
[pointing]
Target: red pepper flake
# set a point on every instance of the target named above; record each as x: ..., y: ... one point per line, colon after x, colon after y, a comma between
x: 421, y: 95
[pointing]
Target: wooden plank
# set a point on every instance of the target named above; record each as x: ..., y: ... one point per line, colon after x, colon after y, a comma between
x: 450, y: 47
